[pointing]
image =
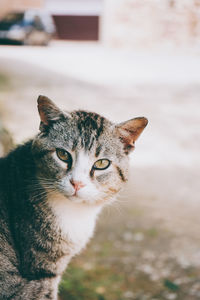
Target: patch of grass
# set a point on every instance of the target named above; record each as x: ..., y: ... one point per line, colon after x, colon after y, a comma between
x: 4, y: 81
x: 95, y: 284
x: 171, y: 285
x: 152, y: 232
x: 106, y: 249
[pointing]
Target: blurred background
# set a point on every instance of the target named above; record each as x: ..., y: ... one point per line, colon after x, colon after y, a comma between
x: 122, y: 59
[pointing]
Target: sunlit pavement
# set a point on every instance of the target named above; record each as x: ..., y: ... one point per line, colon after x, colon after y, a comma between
x: 94, y: 63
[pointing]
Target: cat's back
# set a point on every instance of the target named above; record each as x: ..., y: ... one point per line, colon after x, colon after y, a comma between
x: 8, y: 258
x: 4, y: 187
x: 4, y: 215
x: 2, y: 181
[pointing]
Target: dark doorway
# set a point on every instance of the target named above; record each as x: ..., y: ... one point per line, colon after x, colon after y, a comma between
x: 77, y: 27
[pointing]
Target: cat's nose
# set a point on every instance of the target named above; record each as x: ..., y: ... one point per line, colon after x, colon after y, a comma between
x: 77, y: 184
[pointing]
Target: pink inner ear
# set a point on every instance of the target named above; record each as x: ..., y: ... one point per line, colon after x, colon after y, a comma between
x: 43, y: 118
x: 130, y: 131
x: 48, y: 110
x: 128, y: 141
x: 126, y: 135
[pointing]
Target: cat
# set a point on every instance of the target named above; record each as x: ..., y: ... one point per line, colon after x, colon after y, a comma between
x: 52, y: 189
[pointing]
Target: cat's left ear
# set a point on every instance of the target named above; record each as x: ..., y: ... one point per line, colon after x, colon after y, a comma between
x: 129, y: 132
x: 48, y: 112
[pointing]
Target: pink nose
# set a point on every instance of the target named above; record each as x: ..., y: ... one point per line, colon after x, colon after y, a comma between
x: 77, y: 185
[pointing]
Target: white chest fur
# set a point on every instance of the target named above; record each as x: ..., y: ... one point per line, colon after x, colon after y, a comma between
x: 76, y: 220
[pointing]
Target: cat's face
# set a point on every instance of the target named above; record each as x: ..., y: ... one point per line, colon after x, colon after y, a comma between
x: 81, y: 154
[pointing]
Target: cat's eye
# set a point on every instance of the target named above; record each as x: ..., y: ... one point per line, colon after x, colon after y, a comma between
x: 64, y: 156
x: 101, y: 164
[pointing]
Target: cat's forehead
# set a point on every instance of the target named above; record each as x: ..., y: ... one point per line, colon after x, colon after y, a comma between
x: 89, y: 121
x: 90, y: 128
x: 85, y: 130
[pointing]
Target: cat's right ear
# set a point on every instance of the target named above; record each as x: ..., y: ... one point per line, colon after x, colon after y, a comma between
x: 48, y: 112
x: 129, y: 132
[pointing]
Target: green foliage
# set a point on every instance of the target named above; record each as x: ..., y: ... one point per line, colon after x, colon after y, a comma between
x: 95, y: 284
x: 171, y: 285
x: 4, y: 81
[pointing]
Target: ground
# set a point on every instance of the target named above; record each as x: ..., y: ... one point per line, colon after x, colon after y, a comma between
x: 147, y: 244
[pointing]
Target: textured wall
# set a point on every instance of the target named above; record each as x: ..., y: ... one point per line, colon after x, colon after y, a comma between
x: 133, y: 23
x: 10, y: 5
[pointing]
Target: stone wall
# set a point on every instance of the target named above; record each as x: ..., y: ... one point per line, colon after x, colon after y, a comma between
x: 146, y: 23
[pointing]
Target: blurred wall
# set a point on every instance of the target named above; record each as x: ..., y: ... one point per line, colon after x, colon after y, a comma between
x: 10, y: 5
x: 132, y: 23
x: 74, y: 7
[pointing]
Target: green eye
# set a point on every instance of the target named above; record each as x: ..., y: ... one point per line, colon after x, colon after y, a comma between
x: 101, y: 164
x: 64, y: 156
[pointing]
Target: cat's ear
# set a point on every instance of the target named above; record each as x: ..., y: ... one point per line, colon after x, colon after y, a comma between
x: 129, y: 132
x: 48, y: 112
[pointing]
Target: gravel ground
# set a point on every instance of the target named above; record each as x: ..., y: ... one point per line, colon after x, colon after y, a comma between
x: 150, y: 237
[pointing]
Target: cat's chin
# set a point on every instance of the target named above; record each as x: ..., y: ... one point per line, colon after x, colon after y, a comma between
x: 75, y: 199
x: 79, y: 200
x: 97, y: 203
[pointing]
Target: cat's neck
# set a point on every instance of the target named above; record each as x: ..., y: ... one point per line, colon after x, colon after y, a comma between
x: 76, y: 220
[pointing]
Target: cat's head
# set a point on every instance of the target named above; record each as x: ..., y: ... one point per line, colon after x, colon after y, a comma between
x: 81, y: 154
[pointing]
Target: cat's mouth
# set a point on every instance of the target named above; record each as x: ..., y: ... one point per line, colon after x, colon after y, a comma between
x: 73, y: 195
x: 87, y: 195
x: 76, y: 198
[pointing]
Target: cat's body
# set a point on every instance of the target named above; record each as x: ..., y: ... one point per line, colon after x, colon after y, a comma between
x: 35, y: 243
x: 51, y: 191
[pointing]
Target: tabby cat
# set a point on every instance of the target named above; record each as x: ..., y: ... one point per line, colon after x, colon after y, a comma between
x: 52, y: 189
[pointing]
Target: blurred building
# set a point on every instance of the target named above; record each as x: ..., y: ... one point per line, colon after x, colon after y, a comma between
x: 133, y: 23
x: 16, y: 5
x: 121, y: 23
x: 74, y: 19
